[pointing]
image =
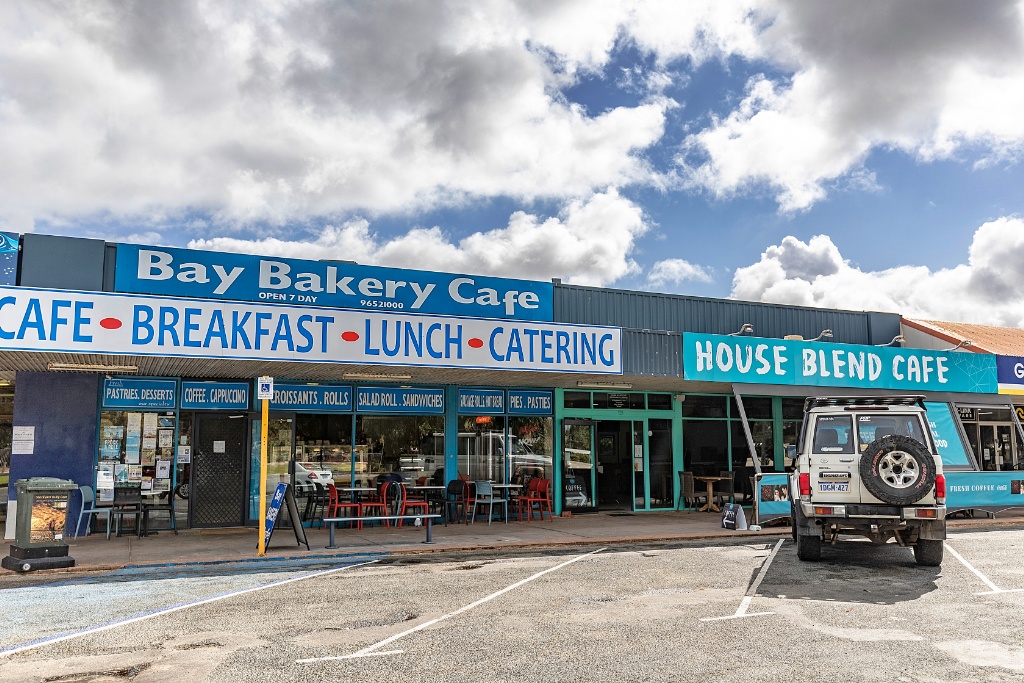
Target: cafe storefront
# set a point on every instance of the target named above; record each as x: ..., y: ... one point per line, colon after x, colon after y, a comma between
x: 608, y: 394
x: 966, y: 411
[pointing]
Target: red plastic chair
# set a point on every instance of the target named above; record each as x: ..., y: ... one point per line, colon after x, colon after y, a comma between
x: 406, y: 503
x: 468, y: 498
x: 375, y: 504
x: 335, y: 505
x: 537, y: 493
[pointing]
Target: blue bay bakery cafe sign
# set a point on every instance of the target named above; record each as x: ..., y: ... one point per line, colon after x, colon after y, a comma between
x: 243, y: 277
x: 756, y: 360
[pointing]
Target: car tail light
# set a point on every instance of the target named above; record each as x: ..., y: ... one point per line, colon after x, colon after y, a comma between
x: 312, y: 475
x: 926, y: 512
x: 805, y: 484
x: 940, y: 488
x: 822, y: 510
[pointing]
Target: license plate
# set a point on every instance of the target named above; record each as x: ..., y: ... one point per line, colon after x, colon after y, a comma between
x: 834, y: 486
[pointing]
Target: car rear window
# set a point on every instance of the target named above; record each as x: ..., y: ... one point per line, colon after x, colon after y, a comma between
x: 833, y: 434
x: 873, y: 427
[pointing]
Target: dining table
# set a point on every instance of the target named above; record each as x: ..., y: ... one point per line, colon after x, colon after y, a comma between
x: 507, y: 489
x: 710, y: 480
x: 432, y: 493
x: 361, y: 492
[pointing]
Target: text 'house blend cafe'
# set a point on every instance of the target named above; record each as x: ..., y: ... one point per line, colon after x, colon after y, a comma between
x: 957, y: 386
x: 180, y: 436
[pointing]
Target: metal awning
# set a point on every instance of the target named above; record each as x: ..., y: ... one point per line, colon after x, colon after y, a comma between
x: 222, y: 368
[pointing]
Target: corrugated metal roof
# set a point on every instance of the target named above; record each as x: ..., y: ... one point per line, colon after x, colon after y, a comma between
x: 1005, y: 341
x: 652, y: 354
x: 676, y: 313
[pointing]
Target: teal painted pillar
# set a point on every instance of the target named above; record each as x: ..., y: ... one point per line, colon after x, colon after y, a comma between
x: 677, y: 446
x: 556, y: 457
x: 451, y: 433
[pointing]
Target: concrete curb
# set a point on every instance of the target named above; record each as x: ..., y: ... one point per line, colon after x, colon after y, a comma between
x: 418, y: 549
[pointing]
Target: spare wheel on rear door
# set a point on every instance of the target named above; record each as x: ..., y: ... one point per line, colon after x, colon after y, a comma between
x: 897, y: 470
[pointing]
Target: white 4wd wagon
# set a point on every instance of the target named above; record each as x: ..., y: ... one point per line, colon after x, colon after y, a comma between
x: 868, y: 466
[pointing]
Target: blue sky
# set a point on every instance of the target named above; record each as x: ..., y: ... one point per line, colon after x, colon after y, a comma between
x: 863, y: 156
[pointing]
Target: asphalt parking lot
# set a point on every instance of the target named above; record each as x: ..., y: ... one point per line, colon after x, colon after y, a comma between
x: 728, y: 611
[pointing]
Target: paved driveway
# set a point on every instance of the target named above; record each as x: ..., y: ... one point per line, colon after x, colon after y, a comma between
x: 741, y: 611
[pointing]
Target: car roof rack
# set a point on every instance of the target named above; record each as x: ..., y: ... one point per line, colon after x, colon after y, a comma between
x: 837, y: 401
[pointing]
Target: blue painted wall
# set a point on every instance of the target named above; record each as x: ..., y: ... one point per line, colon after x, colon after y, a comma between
x: 63, y: 409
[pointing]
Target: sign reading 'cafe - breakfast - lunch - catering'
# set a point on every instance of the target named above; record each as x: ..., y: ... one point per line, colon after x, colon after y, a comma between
x: 124, y: 324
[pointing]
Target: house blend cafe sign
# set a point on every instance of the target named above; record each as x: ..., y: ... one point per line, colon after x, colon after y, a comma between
x: 754, y: 360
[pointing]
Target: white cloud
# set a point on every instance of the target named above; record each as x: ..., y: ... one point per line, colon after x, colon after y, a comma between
x: 674, y: 271
x: 266, y: 111
x: 588, y: 243
x: 930, y: 79
x: 269, y: 112
x: 988, y: 289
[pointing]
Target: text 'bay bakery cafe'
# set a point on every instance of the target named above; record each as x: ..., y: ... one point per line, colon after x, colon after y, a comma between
x: 134, y: 366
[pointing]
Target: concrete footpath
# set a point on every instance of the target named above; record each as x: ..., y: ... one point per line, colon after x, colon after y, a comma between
x: 95, y: 552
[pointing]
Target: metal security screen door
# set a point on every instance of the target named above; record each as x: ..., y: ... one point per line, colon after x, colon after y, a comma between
x: 218, y: 471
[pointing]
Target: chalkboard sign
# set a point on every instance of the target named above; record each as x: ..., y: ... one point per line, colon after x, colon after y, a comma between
x: 283, y: 493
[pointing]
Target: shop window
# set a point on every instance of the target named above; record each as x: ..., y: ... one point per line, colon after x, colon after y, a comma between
x: 325, y: 440
x: 659, y: 441
x: 763, y: 434
x: 531, y: 447
x: 659, y: 401
x: 793, y: 409
x: 696, y: 405
x: 756, y: 407
x: 6, y: 431
x: 183, y: 461
x: 790, y: 440
x: 705, y: 446
x: 989, y: 414
x: 280, y: 432
x: 576, y: 399
x: 136, y: 447
x: 482, y: 447
x: 404, y: 444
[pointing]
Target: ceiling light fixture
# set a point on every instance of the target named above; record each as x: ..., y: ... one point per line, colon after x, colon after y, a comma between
x: 898, y: 339
x: 373, y: 376
x: 747, y: 328
x: 963, y: 342
x: 93, y: 367
x: 604, y: 385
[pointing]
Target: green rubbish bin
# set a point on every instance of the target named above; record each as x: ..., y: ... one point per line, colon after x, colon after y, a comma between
x: 39, y: 525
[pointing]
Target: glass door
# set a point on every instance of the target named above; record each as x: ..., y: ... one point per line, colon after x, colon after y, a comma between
x: 579, y: 472
x: 280, y: 438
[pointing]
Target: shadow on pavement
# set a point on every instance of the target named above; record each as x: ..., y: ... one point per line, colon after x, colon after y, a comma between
x: 851, y: 571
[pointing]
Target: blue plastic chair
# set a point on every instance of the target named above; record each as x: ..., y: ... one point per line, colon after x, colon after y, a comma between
x: 89, y: 510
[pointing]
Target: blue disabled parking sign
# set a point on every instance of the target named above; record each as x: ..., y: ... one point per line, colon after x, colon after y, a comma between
x: 265, y: 388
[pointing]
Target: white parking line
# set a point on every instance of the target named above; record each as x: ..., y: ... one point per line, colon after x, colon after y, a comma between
x: 741, y: 611
x: 369, y: 650
x: 985, y: 579
x: 167, y: 610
